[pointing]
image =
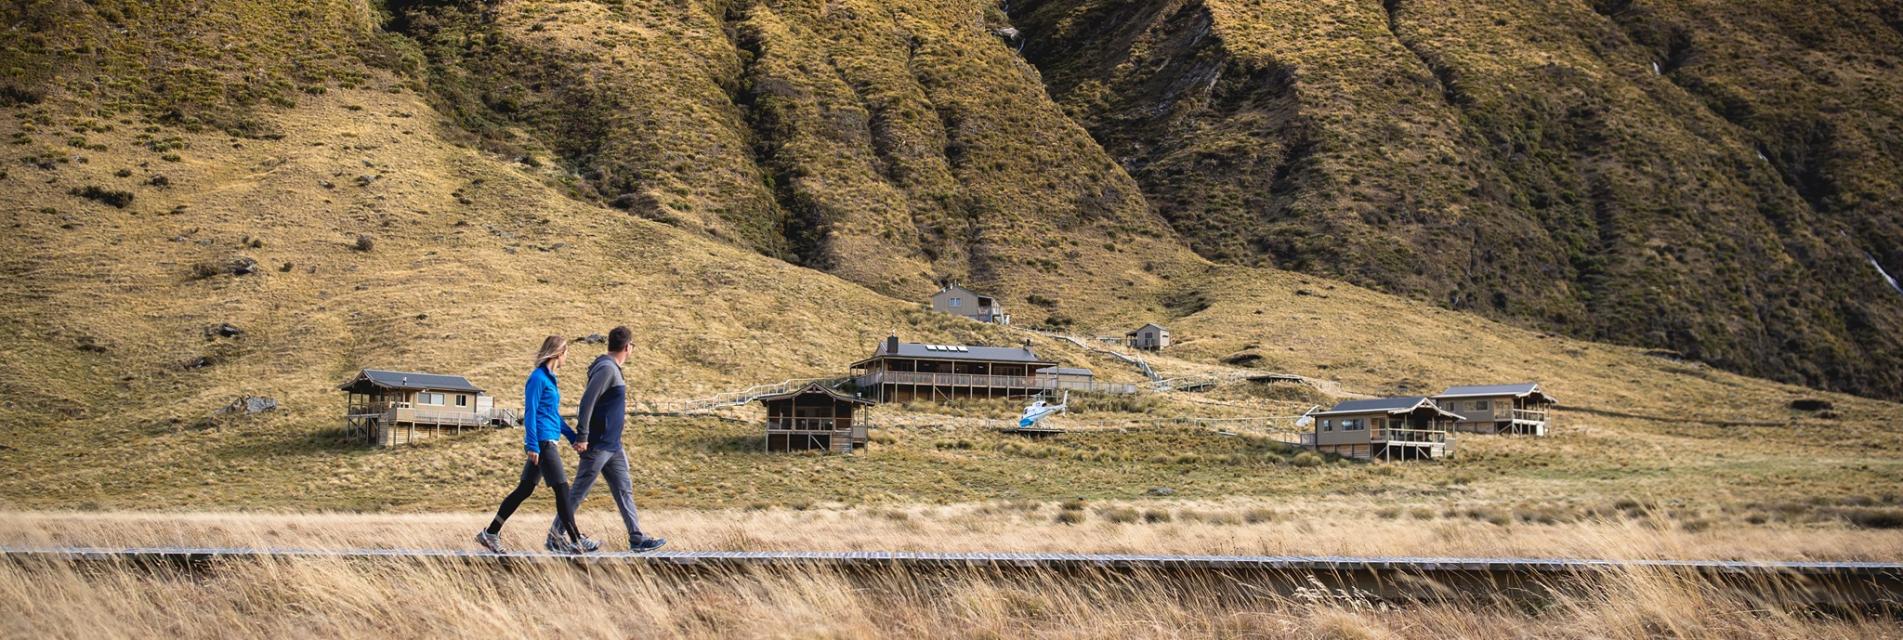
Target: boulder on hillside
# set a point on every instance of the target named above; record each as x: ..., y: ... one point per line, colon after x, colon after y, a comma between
x: 223, y: 330
x: 250, y: 405
x: 242, y: 267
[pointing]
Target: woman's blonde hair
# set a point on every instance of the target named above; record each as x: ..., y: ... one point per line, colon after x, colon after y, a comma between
x: 552, y: 346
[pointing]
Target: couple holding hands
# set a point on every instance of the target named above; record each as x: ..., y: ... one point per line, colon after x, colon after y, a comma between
x: 604, y: 412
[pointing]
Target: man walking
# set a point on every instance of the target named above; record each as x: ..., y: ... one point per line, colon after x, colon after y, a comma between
x: 604, y: 412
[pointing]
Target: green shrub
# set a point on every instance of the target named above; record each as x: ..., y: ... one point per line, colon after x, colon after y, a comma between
x: 1876, y: 518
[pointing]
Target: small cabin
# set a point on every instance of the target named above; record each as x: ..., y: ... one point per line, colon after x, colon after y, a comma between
x: 815, y: 417
x: 1519, y: 408
x: 1405, y: 428
x: 397, y: 407
x: 959, y: 301
x: 1149, y: 337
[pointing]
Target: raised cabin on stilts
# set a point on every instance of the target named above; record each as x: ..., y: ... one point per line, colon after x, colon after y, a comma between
x: 1520, y: 408
x: 397, y: 407
x: 815, y: 417
x: 1406, y: 428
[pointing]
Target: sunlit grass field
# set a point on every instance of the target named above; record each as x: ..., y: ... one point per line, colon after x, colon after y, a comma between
x: 335, y: 598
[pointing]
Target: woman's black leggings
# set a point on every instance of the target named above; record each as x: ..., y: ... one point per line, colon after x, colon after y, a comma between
x: 548, y: 465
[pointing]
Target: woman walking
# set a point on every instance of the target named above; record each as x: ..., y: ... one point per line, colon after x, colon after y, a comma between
x: 542, y: 430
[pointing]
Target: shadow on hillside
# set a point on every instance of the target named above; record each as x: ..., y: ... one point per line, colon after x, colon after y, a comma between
x: 728, y: 443
x: 329, y: 441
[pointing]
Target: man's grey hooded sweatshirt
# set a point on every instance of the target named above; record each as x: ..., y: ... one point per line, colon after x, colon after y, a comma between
x: 604, y: 406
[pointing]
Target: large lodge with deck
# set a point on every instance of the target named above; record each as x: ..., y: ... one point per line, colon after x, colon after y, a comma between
x: 906, y: 371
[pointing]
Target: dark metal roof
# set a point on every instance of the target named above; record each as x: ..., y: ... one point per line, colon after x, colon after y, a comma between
x: 1405, y: 403
x: 409, y: 381
x: 958, y: 352
x: 1516, y: 390
x: 1146, y: 326
x: 814, y: 388
x: 1402, y: 404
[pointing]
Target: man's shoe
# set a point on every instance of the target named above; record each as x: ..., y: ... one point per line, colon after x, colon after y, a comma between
x: 556, y: 544
x: 586, y: 544
x: 489, y: 541
x: 646, y: 544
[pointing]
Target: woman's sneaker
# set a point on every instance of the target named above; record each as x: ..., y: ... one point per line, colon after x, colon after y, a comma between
x: 645, y: 545
x: 489, y: 541
x: 586, y: 544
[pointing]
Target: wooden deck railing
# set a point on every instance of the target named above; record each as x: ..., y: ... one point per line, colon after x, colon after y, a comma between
x: 808, y: 424
x: 1424, y: 436
x: 954, y: 380
x: 404, y: 412
x: 1045, y: 382
x: 1529, y: 415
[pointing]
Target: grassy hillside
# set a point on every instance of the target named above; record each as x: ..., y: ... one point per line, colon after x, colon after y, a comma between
x: 336, y: 204
x: 1707, y: 178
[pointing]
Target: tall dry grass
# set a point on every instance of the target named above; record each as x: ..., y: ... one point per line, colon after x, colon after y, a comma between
x: 342, y: 598
x: 319, y: 598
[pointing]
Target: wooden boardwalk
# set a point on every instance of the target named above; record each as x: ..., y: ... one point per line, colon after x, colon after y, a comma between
x: 1857, y: 584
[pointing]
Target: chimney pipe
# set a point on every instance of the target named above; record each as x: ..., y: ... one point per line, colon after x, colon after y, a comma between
x: 892, y: 344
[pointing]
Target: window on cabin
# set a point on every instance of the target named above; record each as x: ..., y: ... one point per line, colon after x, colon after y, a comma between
x: 462, y: 401
x: 429, y: 398
x: 1380, y: 423
x: 956, y: 302
x: 1328, y: 425
x: 1483, y: 405
x: 1351, y: 424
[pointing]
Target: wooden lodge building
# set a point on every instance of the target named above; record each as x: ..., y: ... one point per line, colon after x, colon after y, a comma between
x: 1519, y: 408
x: 1407, y: 428
x: 959, y: 301
x: 815, y: 417
x: 905, y: 371
x: 395, y: 407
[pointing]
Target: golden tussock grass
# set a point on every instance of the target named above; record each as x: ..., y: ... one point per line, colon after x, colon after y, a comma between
x: 322, y: 598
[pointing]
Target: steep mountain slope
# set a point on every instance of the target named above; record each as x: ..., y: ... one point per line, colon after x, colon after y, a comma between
x: 1522, y: 159
x: 892, y: 143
